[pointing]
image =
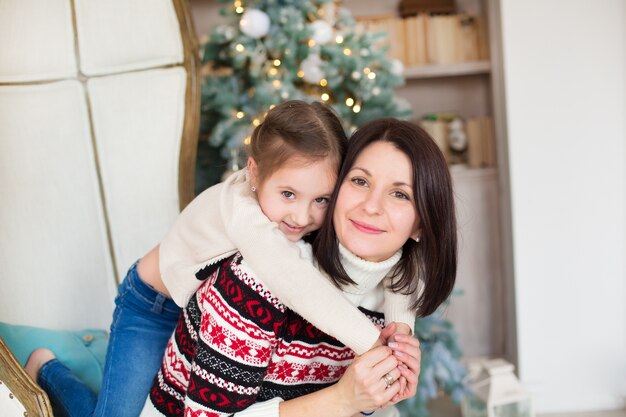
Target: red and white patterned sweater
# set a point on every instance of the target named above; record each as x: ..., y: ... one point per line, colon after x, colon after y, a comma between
x: 236, y: 344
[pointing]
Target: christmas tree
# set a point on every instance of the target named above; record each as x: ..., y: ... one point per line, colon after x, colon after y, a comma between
x: 269, y: 51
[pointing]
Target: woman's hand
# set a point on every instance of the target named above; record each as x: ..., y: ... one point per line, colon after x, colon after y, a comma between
x: 362, y: 387
x: 407, y: 349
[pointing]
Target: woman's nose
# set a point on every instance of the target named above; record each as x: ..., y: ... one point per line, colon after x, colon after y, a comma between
x: 373, y: 203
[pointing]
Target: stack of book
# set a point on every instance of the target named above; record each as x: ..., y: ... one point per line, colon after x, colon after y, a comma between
x: 432, y: 39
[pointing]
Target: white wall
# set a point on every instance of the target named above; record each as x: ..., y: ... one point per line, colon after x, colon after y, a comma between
x: 565, y: 74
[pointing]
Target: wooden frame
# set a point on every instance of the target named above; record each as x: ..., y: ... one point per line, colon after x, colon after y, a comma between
x: 189, y: 140
x: 27, y: 392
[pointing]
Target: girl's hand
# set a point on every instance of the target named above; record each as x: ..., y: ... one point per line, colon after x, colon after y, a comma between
x: 362, y: 387
x: 407, y: 350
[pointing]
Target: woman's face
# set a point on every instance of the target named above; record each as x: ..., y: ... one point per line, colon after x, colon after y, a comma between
x: 375, y: 211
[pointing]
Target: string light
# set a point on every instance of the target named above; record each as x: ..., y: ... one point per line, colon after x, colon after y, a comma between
x: 300, y: 73
x: 349, y: 101
x: 366, y: 70
x: 311, y: 43
x: 356, y: 108
x: 273, y: 71
x: 239, y: 10
x: 239, y: 47
x: 256, y: 121
x: 237, y: 3
x: 240, y: 115
x: 371, y: 75
x: 339, y: 39
x: 347, y: 51
x: 247, y: 140
x: 323, y: 82
x: 325, y: 97
x: 277, y: 62
x: 276, y: 83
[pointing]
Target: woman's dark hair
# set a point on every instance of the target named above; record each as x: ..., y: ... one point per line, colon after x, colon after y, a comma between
x: 297, y: 128
x: 434, y: 259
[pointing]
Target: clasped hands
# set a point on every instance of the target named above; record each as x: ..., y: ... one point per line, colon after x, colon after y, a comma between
x: 384, y: 375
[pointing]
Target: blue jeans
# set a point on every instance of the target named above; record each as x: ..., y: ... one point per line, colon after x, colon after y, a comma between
x: 143, y: 321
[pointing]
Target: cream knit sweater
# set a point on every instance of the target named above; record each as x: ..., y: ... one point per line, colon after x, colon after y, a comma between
x: 226, y: 218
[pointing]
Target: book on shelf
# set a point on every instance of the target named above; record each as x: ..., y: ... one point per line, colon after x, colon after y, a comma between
x: 481, y: 149
x: 415, y: 44
x: 438, y: 130
x: 393, y: 27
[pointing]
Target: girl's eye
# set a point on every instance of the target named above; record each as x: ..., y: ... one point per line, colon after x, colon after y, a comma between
x: 288, y: 194
x: 322, y: 200
x: 359, y: 181
x: 400, y: 195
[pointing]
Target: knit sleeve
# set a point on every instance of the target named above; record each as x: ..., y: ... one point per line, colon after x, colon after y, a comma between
x: 269, y: 408
x: 197, y: 238
x: 295, y: 281
x: 397, y: 308
x: 237, y: 334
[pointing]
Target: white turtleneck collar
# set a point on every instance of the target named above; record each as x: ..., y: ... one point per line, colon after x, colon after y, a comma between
x: 367, y: 275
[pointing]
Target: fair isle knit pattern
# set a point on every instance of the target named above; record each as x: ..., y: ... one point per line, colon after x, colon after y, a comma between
x: 235, y: 344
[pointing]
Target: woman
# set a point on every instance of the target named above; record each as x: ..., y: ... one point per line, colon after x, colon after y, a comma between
x: 392, y: 214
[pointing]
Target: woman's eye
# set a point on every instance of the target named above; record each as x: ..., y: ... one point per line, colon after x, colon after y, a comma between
x: 288, y: 194
x: 359, y: 181
x: 322, y: 200
x: 401, y: 195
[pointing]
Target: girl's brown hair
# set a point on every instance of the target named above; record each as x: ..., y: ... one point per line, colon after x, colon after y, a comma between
x: 296, y: 128
x: 434, y: 259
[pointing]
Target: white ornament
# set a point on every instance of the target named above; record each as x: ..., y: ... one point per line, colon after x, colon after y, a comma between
x: 313, y: 74
x: 356, y: 75
x: 397, y: 68
x: 254, y: 23
x: 322, y: 32
x: 376, y: 91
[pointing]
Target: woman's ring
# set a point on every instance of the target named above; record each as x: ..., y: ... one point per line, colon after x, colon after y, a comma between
x: 388, y: 380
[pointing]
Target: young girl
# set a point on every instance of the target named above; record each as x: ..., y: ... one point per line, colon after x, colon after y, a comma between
x: 238, y: 349
x: 223, y: 218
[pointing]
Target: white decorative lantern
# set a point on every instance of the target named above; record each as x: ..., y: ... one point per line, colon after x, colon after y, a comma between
x: 496, y: 391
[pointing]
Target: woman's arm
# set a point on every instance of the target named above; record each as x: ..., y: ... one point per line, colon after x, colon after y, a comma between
x: 361, y: 388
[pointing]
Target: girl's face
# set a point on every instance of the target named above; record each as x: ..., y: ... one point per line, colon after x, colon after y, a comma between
x: 375, y: 212
x: 296, y: 195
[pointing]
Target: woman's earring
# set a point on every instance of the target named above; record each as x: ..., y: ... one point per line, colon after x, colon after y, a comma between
x: 253, y: 189
x: 417, y: 239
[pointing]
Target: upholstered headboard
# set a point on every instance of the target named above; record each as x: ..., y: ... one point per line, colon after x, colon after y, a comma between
x: 99, y: 105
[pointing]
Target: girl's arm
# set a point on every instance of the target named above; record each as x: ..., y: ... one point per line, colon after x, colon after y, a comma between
x: 227, y: 216
x: 397, y: 309
x: 294, y: 280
